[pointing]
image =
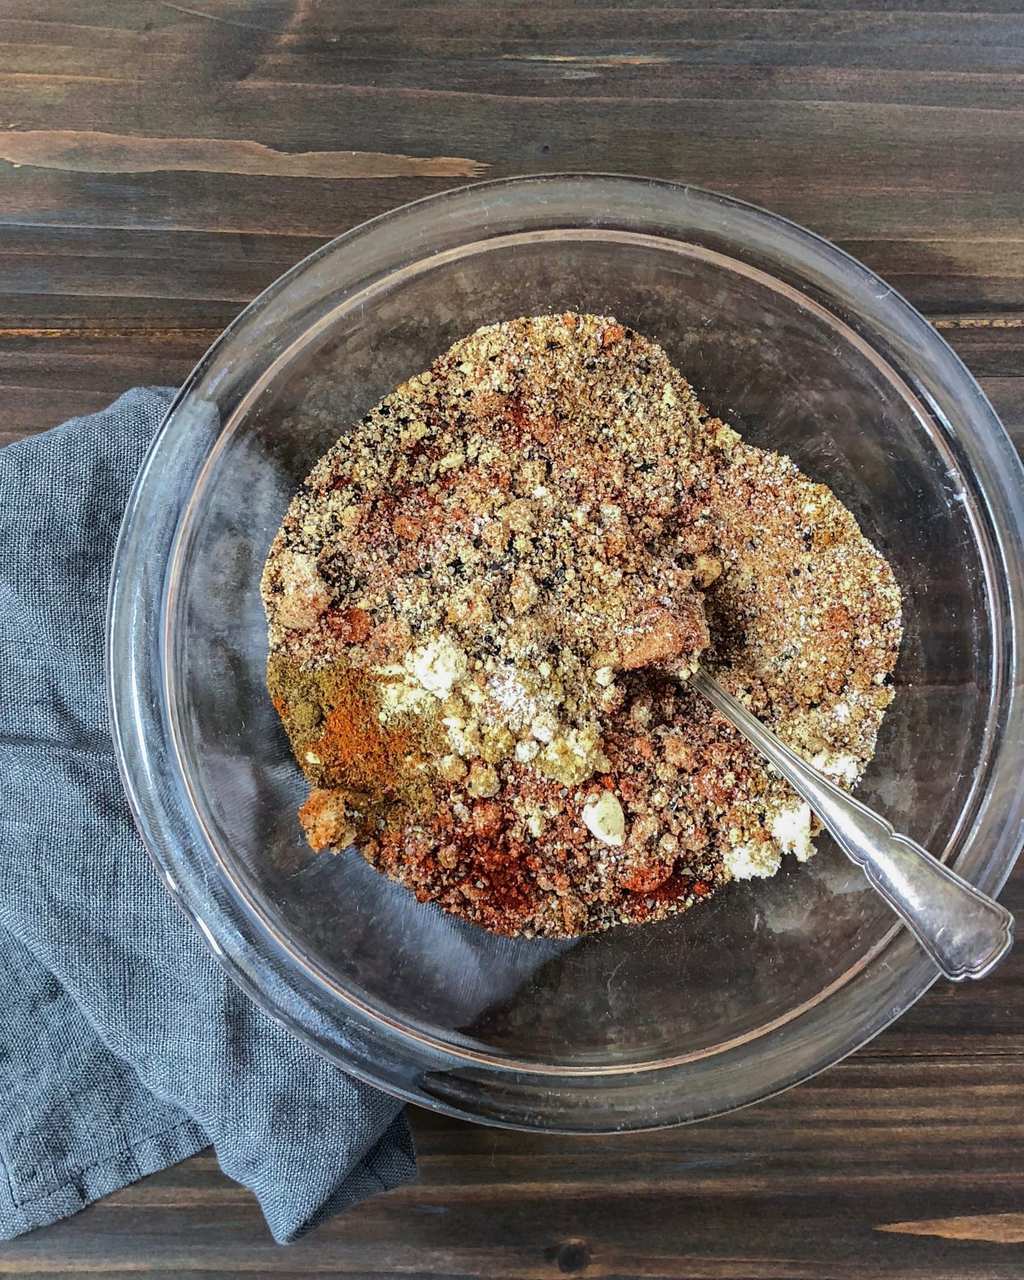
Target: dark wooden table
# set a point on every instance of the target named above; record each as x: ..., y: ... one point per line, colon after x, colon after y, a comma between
x: 162, y: 162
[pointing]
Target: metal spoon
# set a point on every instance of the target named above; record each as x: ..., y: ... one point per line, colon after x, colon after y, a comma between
x: 964, y: 932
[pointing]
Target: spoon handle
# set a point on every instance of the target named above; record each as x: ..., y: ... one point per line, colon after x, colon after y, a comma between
x: 964, y: 932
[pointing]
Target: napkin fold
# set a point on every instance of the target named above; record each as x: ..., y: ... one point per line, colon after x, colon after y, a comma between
x: 124, y: 1047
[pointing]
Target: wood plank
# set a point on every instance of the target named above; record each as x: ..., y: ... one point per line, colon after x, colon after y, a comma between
x: 965, y: 277
x: 943, y: 148
x: 944, y: 205
x: 42, y: 369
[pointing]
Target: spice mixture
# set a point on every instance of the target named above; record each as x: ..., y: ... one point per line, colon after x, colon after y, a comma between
x: 483, y: 601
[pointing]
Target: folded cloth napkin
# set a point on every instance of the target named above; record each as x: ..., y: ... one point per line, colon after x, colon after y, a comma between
x: 123, y: 1045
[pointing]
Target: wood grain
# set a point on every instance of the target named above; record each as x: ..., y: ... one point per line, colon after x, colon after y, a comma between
x: 997, y: 1228
x: 89, y: 151
x: 162, y: 162
x: 804, y: 1185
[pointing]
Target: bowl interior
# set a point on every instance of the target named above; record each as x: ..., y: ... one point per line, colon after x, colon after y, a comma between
x: 790, y: 375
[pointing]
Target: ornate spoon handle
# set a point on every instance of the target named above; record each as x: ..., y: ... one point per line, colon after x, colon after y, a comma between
x: 964, y: 932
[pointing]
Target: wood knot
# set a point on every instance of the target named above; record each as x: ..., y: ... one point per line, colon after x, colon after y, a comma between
x: 570, y: 1256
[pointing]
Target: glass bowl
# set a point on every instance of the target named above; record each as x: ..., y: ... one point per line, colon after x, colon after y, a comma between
x: 803, y: 350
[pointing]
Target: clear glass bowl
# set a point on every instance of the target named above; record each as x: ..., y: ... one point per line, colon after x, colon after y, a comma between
x: 805, y: 351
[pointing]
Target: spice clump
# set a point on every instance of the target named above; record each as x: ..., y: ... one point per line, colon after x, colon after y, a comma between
x: 481, y: 603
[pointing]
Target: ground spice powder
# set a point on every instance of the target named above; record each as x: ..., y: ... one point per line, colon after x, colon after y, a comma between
x: 332, y: 717
x: 484, y: 600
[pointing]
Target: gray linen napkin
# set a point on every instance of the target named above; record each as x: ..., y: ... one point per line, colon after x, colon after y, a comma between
x: 123, y: 1045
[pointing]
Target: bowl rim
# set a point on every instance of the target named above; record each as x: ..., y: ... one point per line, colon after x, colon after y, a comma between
x: 158, y: 828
